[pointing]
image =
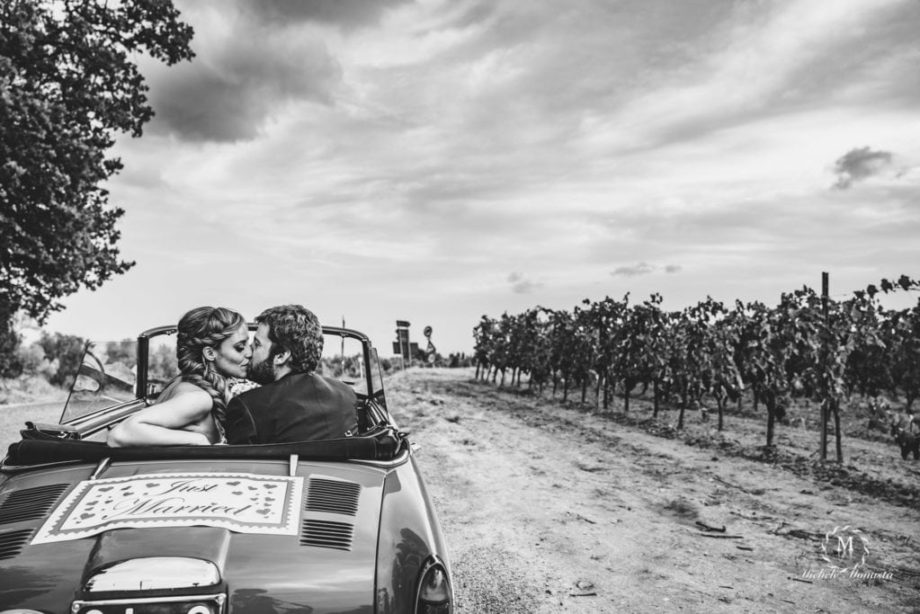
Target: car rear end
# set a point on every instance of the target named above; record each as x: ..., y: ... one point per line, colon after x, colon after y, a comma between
x: 209, y: 536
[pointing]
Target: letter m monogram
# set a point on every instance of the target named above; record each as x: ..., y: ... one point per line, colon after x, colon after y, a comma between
x: 844, y: 547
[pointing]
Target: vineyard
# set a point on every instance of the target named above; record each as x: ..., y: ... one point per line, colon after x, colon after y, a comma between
x: 808, y: 350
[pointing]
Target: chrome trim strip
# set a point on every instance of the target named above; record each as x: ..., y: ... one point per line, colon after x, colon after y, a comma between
x: 94, y: 422
x: 101, y: 467
x: 104, y: 412
x: 14, y: 469
x: 383, y: 464
x: 154, y: 573
x: 292, y: 465
x: 220, y: 598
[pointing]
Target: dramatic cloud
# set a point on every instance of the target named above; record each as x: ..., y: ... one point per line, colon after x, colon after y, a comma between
x: 241, y: 78
x: 521, y: 285
x: 344, y: 13
x: 859, y: 164
x: 642, y: 268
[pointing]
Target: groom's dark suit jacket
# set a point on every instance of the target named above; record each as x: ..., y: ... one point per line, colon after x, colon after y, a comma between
x: 297, y: 407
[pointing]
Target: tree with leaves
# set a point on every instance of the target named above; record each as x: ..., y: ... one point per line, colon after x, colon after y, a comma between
x: 68, y: 86
x: 67, y: 352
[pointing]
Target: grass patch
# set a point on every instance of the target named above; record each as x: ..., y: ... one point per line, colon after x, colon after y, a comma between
x: 29, y: 389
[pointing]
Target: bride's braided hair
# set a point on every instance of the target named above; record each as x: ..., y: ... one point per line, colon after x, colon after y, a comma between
x: 200, y: 328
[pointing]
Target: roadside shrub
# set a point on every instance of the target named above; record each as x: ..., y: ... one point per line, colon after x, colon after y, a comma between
x: 33, y: 361
x: 122, y: 352
x: 67, y: 351
x: 27, y: 389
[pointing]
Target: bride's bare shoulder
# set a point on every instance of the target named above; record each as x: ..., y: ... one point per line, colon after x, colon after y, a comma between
x: 185, y: 392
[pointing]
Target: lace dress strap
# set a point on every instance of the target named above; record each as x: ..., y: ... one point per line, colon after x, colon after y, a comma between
x: 235, y: 386
x: 221, y: 433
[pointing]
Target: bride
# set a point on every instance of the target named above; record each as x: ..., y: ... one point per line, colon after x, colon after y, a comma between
x: 212, y: 346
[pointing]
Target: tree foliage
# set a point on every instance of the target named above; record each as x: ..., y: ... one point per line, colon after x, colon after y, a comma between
x: 68, y: 86
x: 67, y: 352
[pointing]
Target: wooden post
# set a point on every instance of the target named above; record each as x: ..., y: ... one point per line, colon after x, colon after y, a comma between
x: 825, y: 283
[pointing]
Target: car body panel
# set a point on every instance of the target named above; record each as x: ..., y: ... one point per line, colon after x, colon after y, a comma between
x: 408, y: 530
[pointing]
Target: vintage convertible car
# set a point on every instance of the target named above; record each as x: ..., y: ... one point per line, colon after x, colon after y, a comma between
x: 336, y: 526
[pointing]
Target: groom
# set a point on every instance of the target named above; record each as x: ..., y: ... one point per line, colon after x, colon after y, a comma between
x: 294, y: 403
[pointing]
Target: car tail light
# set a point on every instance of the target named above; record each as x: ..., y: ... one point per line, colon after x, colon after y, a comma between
x: 434, y: 592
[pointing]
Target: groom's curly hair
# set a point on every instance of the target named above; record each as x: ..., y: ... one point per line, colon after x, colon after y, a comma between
x: 296, y: 329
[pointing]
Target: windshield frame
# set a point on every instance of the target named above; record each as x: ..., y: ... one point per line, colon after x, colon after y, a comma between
x: 143, y: 350
x: 371, y: 377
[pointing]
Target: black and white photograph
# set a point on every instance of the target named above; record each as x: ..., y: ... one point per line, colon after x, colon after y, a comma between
x: 459, y: 306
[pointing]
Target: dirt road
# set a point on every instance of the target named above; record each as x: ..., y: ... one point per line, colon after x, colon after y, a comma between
x: 550, y: 509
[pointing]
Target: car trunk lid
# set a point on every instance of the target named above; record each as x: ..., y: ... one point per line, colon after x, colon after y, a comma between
x: 326, y: 563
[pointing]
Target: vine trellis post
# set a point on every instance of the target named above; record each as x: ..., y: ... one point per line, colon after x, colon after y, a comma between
x: 825, y: 283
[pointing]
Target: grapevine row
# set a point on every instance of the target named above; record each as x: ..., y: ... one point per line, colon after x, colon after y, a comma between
x: 806, y: 347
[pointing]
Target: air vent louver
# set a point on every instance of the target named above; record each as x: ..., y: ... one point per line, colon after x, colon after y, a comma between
x: 30, y: 503
x: 11, y: 542
x: 325, y: 534
x: 333, y: 496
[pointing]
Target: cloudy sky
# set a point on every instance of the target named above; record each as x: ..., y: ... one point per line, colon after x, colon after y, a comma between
x: 438, y: 160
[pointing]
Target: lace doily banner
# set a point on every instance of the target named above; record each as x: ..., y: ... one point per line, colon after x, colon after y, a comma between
x: 242, y: 502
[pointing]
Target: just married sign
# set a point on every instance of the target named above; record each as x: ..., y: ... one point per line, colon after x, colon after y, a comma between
x: 242, y: 502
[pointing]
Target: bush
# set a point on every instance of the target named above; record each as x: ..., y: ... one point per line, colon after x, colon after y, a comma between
x: 67, y: 351
x: 28, y: 388
x: 33, y: 361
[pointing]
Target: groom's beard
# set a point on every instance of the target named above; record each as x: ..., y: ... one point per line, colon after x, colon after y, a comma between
x: 262, y: 373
